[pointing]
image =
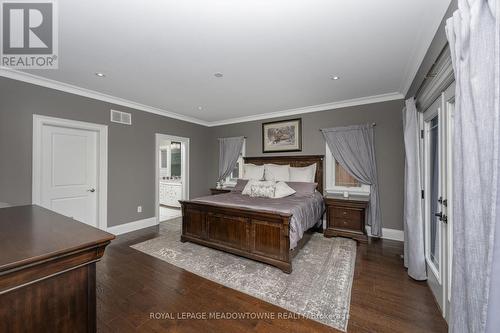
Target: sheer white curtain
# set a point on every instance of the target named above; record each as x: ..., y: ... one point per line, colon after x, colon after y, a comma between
x: 473, y: 34
x: 414, y: 258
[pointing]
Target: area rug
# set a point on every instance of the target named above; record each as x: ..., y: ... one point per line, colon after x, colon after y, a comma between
x: 319, y: 287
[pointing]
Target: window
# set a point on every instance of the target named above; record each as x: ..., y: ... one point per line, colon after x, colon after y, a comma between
x: 344, y: 178
x: 238, y: 168
x: 338, y: 180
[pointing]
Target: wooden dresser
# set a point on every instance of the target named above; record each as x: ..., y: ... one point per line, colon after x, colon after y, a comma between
x: 47, y: 271
x: 345, y: 217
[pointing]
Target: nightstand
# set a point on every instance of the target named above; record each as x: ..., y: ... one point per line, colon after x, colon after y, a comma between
x: 215, y: 191
x: 345, y: 217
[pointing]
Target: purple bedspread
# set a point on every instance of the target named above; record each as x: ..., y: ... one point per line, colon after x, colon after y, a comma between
x: 306, y: 210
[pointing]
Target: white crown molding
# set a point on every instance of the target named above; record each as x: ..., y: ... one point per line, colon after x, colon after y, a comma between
x: 421, y: 47
x: 313, y: 108
x: 72, y: 89
x: 413, y: 65
x: 132, y: 226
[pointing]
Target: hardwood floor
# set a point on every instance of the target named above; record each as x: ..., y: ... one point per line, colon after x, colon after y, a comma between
x: 132, y: 286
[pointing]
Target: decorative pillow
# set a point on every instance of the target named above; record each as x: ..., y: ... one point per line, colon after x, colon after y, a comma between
x: 282, y: 190
x: 303, y: 174
x: 248, y: 187
x: 252, y: 171
x: 263, y: 189
x: 240, y: 185
x: 303, y: 189
x: 277, y: 173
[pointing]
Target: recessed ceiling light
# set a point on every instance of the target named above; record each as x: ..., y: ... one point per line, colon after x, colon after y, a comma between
x: 100, y: 74
x: 334, y: 77
x: 200, y: 108
x: 218, y: 74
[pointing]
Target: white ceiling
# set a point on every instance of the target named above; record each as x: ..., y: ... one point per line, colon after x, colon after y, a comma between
x: 275, y: 55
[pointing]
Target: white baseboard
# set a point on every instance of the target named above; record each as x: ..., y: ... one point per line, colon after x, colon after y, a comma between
x: 132, y: 226
x: 392, y: 234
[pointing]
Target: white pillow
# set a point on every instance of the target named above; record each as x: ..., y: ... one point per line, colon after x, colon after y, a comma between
x: 303, y: 174
x: 282, y: 190
x: 262, y: 190
x: 277, y: 173
x: 252, y: 182
x: 252, y: 171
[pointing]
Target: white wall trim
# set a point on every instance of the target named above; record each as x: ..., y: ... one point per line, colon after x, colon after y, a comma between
x: 72, y: 89
x: 132, y: 226
x: 392, y: 234
x: 184, y: 172
x: 102, y: 134
x: 313, y: 108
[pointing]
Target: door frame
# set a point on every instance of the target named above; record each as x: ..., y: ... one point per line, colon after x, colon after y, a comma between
x: 440, y: 281
x: 185, y: 168
x: 102, y: 160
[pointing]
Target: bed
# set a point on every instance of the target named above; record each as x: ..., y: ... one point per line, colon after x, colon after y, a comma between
x: 266, y: 230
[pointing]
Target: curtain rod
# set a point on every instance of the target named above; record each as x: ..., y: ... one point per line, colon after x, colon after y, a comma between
x: 373, y: 125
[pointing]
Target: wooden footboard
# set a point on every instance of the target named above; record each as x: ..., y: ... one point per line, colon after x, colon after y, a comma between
x: 258, y: 235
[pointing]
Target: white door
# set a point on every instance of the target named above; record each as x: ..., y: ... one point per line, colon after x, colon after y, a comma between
x: 432, y: 197
x: 69, y: 169
x: 437, y: 196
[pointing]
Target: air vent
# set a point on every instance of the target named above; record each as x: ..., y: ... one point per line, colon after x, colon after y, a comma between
x: 121, y: 117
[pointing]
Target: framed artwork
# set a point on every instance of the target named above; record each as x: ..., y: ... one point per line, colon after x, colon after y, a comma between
x: 282, y: 136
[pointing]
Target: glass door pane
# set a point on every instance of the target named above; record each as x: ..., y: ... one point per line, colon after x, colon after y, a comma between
x: 434, y: 191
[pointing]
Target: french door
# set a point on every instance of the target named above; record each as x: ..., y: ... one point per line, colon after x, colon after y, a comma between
x: 437, y: 169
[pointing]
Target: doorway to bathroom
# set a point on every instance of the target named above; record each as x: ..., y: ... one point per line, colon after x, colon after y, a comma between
x: 172, y: 176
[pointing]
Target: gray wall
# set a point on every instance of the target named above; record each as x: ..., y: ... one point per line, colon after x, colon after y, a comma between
x: 131, y: 159
x: 388, y: 144
x: 131, y: 169
x: 437, y: 45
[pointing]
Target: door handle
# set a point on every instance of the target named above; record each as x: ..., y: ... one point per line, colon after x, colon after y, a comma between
x: 92, y: 190
x: 442, y: 217
x: 443, y: 202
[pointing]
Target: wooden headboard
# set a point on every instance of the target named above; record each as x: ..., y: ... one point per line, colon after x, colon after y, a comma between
x: 294, y: 161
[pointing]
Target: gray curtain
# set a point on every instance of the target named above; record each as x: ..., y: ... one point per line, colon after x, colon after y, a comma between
x: 414, y: 258
x: 473, y: 35
x: 353, y: 148
x: 229, y: 152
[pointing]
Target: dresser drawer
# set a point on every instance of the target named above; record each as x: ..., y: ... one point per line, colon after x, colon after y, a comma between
x: 347, y: 224
x: 346, y: 213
